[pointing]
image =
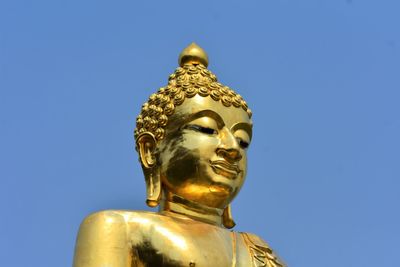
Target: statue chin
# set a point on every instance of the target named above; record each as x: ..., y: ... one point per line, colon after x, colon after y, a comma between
x: 213, y: 196
x: 192, y: 138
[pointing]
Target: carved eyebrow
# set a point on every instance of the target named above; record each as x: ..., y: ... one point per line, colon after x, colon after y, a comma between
x: 247, y: 127
x: 207, y: 113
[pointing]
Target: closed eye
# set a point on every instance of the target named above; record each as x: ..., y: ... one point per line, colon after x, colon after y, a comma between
x: 201, y: 129
x: 243, y: 144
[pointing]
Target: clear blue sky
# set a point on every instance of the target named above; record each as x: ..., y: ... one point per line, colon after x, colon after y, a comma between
x: 322, y: 78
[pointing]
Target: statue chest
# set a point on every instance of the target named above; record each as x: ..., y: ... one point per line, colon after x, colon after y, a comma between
x: 196, y: 245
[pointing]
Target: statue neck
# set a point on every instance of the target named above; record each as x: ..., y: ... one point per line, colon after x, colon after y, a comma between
x: 174, y: 205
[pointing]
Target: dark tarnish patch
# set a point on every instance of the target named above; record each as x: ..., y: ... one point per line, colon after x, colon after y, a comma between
x: 173, y: 139
x: 174, y: 130
x: 183, y: 164
x: 148, y: 256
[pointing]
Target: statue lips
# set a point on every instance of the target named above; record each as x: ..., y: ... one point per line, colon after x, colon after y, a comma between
x: 225, y: 168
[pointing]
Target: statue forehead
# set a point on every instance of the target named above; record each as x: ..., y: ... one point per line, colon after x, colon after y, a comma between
x: 191, y: 106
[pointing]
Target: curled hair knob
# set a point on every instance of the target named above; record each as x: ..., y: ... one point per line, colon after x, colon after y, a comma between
x: 193, y: 54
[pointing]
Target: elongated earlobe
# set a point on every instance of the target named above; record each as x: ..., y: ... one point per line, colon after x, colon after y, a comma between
x: 146, y: 146
x: 227, y: 219
x: 153, y: 188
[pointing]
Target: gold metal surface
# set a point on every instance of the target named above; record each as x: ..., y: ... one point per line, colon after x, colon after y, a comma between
x: 192, y: 137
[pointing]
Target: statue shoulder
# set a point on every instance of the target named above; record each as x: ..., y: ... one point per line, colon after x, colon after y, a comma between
x: 103, y: 217
x: 103, y: 239
x: 114, y: 217
x: 261, y: 252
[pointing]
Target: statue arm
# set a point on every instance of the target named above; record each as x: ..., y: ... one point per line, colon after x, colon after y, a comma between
x: 102, y: 241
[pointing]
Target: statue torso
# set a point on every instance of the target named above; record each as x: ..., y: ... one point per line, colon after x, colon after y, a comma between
x: 159, y: 240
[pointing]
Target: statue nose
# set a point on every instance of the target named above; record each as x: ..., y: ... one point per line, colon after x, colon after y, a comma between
x: 232, y: 155
x: 229, y: 147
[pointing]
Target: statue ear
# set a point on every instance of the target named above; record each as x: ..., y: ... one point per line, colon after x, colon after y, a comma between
x: 146, y: 145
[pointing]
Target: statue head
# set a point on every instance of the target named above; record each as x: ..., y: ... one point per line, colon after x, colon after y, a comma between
x: 192, y: 137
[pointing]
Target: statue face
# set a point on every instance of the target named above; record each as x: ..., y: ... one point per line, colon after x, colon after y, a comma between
x: 203, y: 155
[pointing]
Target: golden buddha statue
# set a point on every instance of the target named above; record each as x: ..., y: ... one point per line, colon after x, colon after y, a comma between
x: 192, y: 137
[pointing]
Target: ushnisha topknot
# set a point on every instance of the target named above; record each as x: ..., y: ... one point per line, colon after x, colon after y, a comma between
x: 190, y: 79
